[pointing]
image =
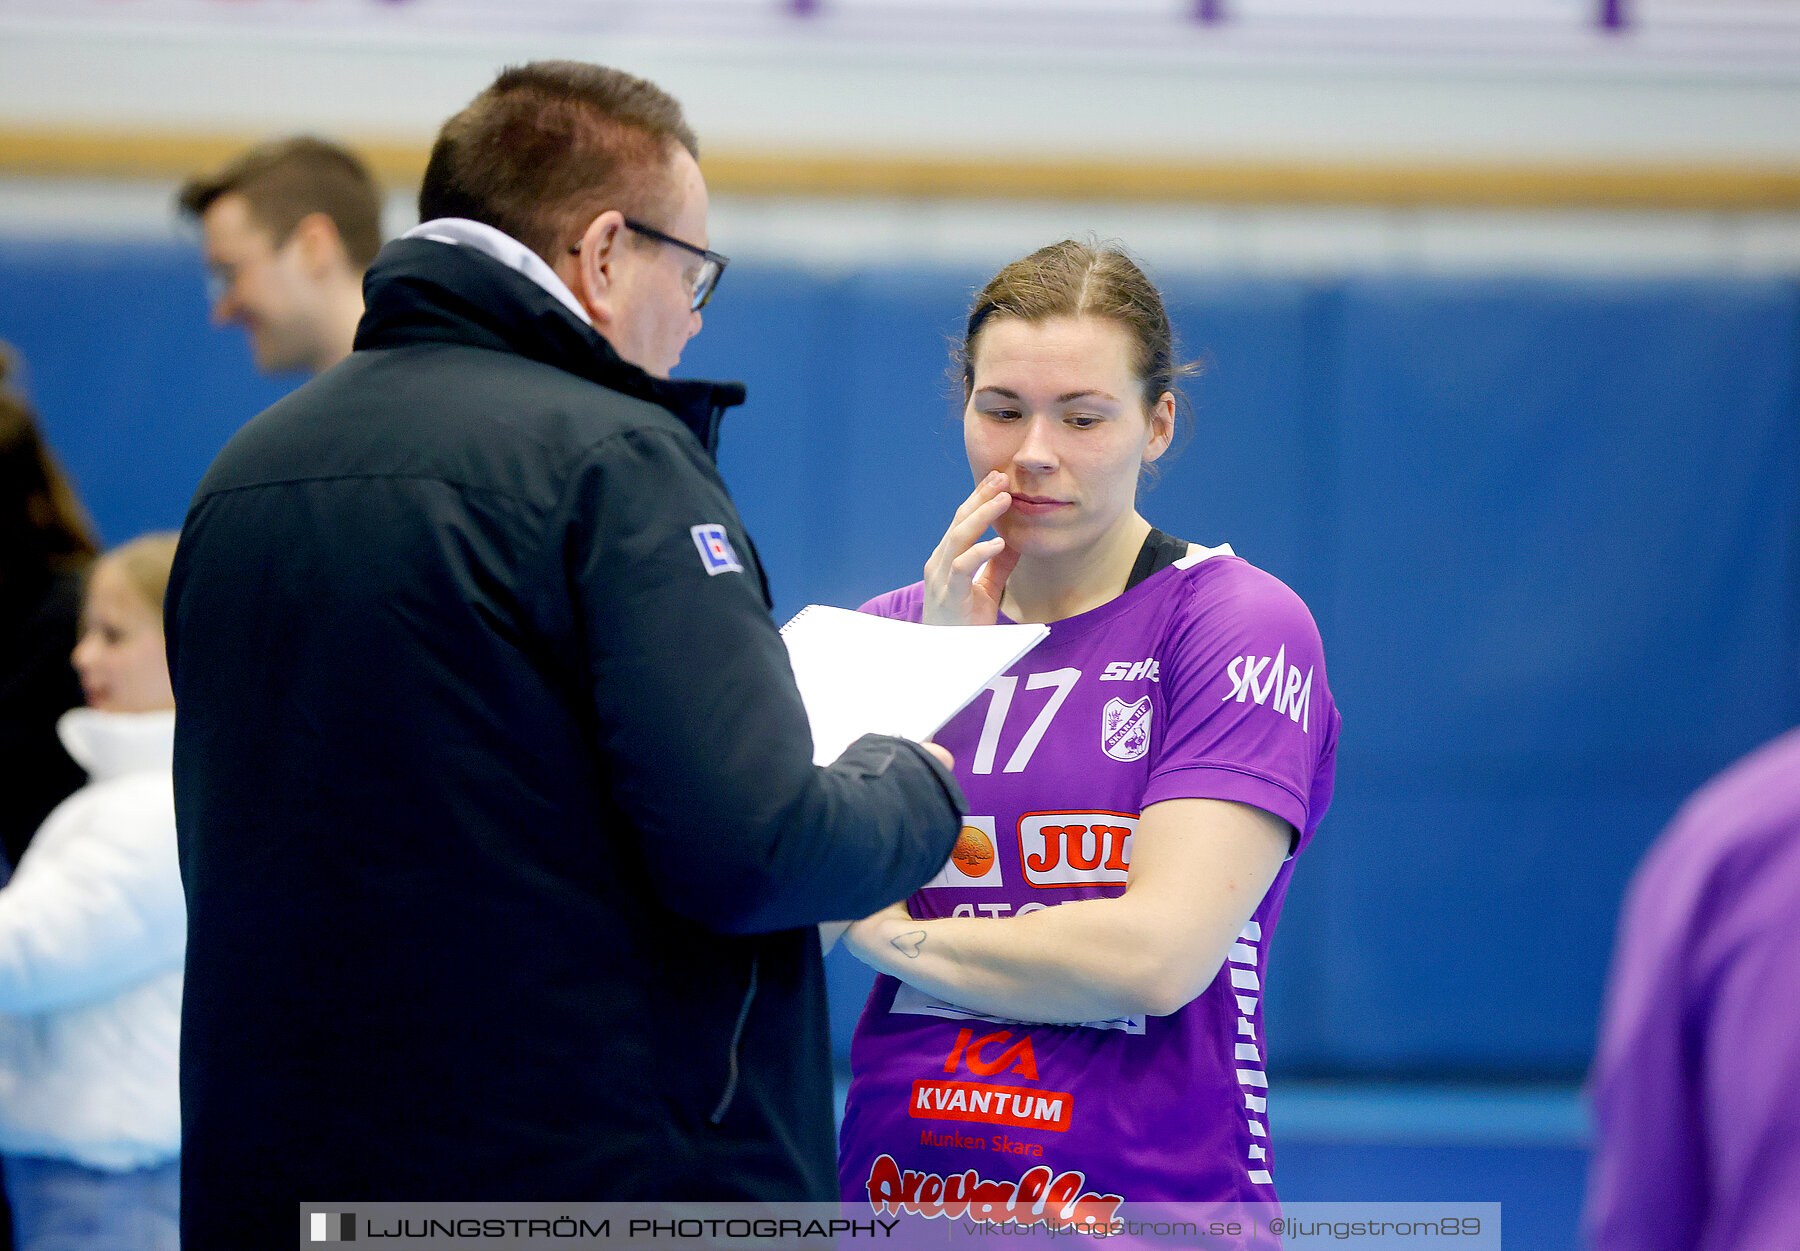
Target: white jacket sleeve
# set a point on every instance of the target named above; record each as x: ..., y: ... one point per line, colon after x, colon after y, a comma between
x: 96, y: 904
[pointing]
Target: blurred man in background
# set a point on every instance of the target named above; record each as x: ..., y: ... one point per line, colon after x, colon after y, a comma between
x: 1696, y: 1088
x: 289, y: 227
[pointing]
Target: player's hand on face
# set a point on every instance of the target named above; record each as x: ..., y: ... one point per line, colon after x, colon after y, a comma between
x: 966, y: 577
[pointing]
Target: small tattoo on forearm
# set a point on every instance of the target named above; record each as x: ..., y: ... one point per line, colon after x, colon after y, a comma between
x: 908, y: 944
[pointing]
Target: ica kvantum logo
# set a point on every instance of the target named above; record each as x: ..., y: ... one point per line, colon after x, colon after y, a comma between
x: 990, y: 1056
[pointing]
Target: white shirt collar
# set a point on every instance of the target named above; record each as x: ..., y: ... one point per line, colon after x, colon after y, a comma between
x: 502, y: 247
x: 109, y: 744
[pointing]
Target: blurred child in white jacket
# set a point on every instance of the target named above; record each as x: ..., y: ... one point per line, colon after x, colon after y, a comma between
x: 92, y: 931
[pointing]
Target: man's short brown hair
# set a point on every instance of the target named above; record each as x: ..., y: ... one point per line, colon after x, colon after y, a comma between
x: 289, y: 179
x: 550, y: 146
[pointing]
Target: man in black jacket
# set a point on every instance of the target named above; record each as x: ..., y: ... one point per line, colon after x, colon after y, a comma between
x: 502, y: 840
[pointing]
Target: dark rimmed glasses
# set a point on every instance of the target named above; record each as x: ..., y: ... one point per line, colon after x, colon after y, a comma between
x: 712, y: 265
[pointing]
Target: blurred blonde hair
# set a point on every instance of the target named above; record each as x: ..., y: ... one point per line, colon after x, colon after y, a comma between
x: 146, y: 560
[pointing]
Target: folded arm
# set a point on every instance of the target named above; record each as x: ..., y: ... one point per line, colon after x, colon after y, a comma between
x: 1199, y: 868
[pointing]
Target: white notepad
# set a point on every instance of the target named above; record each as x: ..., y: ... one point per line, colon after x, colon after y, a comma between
x: 860, y: 674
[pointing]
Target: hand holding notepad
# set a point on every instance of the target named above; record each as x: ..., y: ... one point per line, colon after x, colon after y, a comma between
x: 860, y: 674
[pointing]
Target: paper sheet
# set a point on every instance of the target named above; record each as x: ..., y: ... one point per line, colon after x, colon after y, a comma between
x: 860, y: 674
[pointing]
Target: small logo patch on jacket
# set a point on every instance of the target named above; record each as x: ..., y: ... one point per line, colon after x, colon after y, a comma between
x: 715, y: 550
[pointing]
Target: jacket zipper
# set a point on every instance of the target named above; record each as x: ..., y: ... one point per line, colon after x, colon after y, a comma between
x: 737, y: 1034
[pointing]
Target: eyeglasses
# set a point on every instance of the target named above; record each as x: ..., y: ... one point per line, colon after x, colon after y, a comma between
x: 712, y: 265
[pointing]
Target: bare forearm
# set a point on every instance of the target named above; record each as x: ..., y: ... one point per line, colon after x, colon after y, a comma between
x: 1083, y: 961
x: 1199, y: 868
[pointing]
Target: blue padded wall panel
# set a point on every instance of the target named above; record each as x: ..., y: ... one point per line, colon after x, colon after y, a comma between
x: 135, y: 391
x: 1472, y: 944
x: 1255, y: 468
x: 1550, y: 492
x: 1565, y: 548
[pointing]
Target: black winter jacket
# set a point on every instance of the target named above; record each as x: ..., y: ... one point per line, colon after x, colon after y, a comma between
x: 499, y: 826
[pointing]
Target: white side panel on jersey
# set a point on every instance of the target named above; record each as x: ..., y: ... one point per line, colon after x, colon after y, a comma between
x: 1253, y: 1079
x: 911, y: 1001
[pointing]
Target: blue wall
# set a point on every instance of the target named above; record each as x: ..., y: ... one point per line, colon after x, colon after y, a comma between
x: 1548, y: 528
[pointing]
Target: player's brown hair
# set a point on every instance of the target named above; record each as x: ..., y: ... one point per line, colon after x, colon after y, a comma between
x: 551, y: 145
x: 44, y: 529
x: 1071, y: 279
x: 287, y: 180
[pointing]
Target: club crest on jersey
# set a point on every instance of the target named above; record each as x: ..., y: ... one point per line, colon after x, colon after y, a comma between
x: 1125, y: 729
x: 715, y: 550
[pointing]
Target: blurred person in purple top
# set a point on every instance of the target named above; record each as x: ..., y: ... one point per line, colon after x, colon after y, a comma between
x: 1070, y: 1013
x: 1696, y: 1087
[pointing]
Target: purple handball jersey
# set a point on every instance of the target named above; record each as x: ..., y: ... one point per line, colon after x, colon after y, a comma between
x: 1206, y: 680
